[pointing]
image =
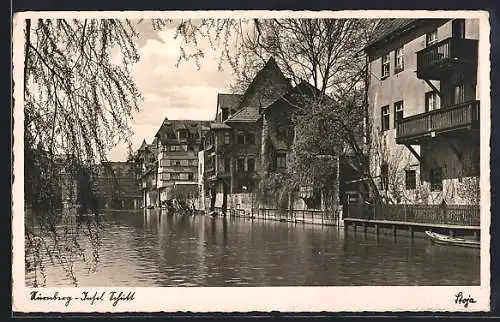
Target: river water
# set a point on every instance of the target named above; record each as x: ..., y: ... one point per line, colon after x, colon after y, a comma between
x: 148, y: 250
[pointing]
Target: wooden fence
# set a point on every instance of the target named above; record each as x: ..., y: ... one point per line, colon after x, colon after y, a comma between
x: 311, y: 216
x: 464, y: 215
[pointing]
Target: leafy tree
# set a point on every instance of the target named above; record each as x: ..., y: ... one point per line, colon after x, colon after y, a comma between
x: 78, y: 100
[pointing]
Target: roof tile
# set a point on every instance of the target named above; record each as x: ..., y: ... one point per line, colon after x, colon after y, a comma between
x: 246, y: 114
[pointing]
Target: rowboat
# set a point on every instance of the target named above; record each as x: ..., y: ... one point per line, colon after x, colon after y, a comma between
x: 451, y: 241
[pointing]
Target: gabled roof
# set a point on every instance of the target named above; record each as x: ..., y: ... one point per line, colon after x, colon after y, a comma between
x: 153, y: 144
x: 387, y: 30
x: 168, y: 129
x: 297, y: 96
x: 387, y: 26
x: 144, y: 145
x: 246, y: 114
x: 270, y: 66
x: 228, y: 100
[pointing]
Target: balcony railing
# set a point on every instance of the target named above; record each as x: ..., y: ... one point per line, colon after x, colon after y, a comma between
x: 412, y: 129
x: 435, y: 59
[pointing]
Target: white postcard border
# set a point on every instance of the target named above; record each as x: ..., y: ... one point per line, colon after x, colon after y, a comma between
x: 244, y: 299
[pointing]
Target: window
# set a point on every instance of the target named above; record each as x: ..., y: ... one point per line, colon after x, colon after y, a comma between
x: 250, y: 164
x: 183, y: 176
x: 410, y: 179
x: 227, y: 137
x: 436, y: 179
x: 190, y: 177
x: 250, y: 138
x: 227, y: 164
x: 240, y: 138
x: 431, y: 37
x: 174, y: 176
x: 182, y: 134
x: 385, y: 118
x: 178, y: 148
x: 398, y: 112
x: 458, y: 28
x: 458, y: 94
x: 431, y: 101
x: 386, y: 65
x: 399, y: 60
x: 281, y: 160
x: 384, y: 176
x: 240, y: 165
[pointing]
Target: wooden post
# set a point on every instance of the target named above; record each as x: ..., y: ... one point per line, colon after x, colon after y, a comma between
x: 365, y: 226
x: 410, y: 233
x: 394, y: 231
x: 474, y: 235
x: 354, y: 226
x: 377, y: 230
x: 451, y: 232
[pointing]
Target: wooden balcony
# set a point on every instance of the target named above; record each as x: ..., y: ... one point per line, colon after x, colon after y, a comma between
x: 434, y: 62
x: 420, y: 127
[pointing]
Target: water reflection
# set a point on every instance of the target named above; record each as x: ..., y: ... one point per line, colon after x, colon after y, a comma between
x: 169, y: 250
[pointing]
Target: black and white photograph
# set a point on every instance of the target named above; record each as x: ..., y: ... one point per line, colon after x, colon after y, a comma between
x: 251, y: 161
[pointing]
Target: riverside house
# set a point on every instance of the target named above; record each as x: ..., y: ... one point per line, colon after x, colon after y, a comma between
x: 251, y: 138
x: 424, y: 106
x: 170, y: 163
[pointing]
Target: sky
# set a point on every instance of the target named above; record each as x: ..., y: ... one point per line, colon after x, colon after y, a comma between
x: 182, y: 92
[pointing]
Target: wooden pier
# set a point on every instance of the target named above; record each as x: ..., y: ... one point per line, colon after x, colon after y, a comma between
x: 410, y: 219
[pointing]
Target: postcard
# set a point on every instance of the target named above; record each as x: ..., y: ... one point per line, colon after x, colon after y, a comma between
x: 237, y: 161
